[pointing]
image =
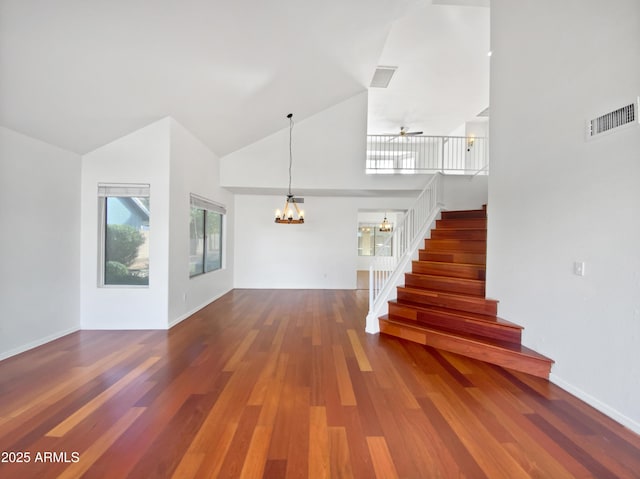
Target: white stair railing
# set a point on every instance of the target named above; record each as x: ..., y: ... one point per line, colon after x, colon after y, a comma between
x: 385, y: 271
x: 462, y: 155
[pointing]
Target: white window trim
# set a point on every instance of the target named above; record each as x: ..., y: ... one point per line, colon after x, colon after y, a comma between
x: 203, y: 203
x: 121, y: 190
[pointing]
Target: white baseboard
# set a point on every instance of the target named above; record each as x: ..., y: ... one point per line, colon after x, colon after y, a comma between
x: 36, y: 343
x: 596, y: 403
x: 59, y: 334
x: 184, y: 316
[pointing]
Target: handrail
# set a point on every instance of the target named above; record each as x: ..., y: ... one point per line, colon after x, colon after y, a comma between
x: 385, y: 271
x: 484, y: 168
x: 427, y: 154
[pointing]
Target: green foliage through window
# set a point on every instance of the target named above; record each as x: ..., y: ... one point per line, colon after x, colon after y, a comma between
x: 126, y: 240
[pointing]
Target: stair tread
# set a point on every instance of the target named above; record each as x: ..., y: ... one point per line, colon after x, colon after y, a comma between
x: 457, y: 239
x: 430, y: 292
x: 476, y: 221
x: 434, y: 252
x: 456, y: 244
x: 445, y: 287
x: 449, y: 278
x: 485, y: 342
x: 463, y: 314
x: 447, y: 263
x: 449, y: 269
x: 463, y: 214
x: 462, y: 228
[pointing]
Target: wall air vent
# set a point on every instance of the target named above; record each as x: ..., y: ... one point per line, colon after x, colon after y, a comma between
x: 382, y: 77
x: 614, y: 120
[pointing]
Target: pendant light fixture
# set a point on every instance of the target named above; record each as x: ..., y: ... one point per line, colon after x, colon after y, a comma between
x: 291, y: 214
x: 385, y: 226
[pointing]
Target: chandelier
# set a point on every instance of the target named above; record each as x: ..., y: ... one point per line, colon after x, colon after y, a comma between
x: 385, y: 226
x: 290, y: 214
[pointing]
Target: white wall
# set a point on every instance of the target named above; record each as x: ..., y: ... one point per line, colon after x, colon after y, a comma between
x: 555, y: 198
x: 40, y: 218
x: 329, y: 151
x: 465, y: 192
x: 477, y: 154
x: 140, y: 157
x: 319, y: 254
x: 194, y: 169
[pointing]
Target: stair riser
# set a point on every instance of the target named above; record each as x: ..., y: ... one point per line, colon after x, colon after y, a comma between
x: 444, y: 341
x: 467, y: 214
x: 480, y: 223
x: 453, y: 257
x: 458, y: 324
x: 463, y: 234
x: 470, y: 303
x: 442, y: 283
x: 470, y: 246
x: 452, y: 270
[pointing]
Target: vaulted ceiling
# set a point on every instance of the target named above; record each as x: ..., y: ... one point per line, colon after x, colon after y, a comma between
x: 442, y: 79
x: 79, y: 74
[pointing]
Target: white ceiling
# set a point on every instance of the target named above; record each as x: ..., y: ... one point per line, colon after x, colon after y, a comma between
x: 79, y: 74
x: 442, y: 78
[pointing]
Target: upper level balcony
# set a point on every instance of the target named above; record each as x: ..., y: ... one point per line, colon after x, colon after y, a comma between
x: 453, y: 155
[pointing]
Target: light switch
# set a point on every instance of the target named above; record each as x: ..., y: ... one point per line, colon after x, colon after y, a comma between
x: 578, y: 268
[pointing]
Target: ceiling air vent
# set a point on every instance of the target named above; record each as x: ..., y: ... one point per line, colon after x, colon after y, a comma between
x: 382, y: 77
x: 612, y: 121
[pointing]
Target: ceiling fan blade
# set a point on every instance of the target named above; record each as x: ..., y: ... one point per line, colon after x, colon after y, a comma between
x: 413, y: 133
x: 294, y: 199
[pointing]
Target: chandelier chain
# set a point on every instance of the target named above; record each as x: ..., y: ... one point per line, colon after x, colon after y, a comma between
x: 290, y: 150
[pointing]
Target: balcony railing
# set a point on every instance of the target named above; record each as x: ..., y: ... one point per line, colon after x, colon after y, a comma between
x: 388, y: 154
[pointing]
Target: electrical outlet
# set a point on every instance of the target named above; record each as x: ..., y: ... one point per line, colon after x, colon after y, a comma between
x: 578, y: 268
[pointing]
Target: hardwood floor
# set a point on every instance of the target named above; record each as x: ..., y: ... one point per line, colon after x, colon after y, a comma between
x: 286, y: 384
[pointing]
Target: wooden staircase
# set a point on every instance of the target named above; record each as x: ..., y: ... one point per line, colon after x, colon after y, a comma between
x: 442, y: 303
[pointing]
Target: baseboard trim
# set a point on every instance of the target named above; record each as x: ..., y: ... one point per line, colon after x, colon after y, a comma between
x: 596, y: 403
x: 36, y: 343
x: 184, y: 316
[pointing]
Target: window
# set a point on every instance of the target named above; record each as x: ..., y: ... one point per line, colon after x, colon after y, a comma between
x: 124, y: 235
x: 372, y: 241
x: 205, y: 236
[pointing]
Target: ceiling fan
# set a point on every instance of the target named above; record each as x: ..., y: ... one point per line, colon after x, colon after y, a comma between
x: 404, y: 133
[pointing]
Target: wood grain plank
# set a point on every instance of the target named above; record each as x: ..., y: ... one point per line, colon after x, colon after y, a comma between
x: 381, y: 457
x: 339, y: 457
x: 485, y: 448
x: 319, y: 465
x: 528, y: 451
x: 241, y: 351
x: 254, y: 465
x: 100, y: 445
x: 347, y: 396
x: 65, y: 426
x: 239, y: 389
x: 358, y: 350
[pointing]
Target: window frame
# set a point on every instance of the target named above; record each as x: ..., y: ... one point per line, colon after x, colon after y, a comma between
x: 116, y: 190
x: 208, y: 207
